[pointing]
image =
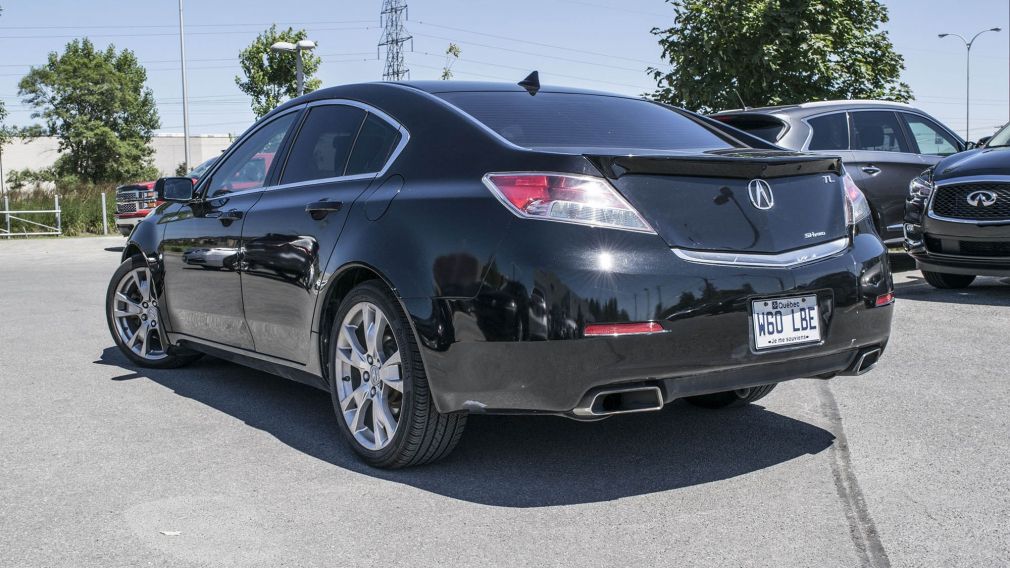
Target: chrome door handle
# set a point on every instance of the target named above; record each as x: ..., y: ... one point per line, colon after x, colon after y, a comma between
x: 871, y: 170
x: 318, y: 210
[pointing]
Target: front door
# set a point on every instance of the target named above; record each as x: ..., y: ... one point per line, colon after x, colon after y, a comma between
x: 289, y: 234
x: 201, y: 248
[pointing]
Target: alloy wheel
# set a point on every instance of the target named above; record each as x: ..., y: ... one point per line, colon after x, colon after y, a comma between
x: 137, y: 320
x: 370, y: 380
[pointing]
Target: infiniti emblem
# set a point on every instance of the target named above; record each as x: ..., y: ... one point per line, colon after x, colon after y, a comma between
x: 981, y: 198
x: 761, y: 194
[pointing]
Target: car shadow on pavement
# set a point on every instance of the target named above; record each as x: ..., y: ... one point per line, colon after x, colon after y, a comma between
x: 514, y: 461
x: 982, y: 292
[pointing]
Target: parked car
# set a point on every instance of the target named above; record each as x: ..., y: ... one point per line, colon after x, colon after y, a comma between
x: 882, y: 144
x: 426, y: 250
x: 957, y: 219
x: 135, y: 201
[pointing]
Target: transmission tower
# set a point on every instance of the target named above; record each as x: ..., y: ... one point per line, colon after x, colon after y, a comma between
x: 394, y: 13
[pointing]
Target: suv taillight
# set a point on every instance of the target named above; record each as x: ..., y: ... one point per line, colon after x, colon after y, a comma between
x: 856, y: 206
x: 567, y: 198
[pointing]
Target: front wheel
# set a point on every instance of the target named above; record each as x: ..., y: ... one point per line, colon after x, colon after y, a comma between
x: 379, y: 387
x: 731, y: 399
x: 946, y: 281
x: 134, y: 317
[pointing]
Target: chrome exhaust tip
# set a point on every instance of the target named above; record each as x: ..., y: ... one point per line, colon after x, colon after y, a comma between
x: 611, y: 401
x: 865, y: 362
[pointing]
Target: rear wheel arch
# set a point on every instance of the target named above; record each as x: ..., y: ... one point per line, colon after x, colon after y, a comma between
x: 343, y: 281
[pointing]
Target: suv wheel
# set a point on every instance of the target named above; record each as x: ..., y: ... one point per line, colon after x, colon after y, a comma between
x: 731, y: 399
x: 948, y: 281
x: 131, y: 308
x: 378, y: 385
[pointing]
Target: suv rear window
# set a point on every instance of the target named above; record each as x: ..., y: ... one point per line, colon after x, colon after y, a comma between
x: 765, y: 127
x: 558, y: 120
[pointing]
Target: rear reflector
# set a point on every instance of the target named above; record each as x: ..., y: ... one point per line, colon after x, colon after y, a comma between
x: 885, y: 299
x: 623, y: 328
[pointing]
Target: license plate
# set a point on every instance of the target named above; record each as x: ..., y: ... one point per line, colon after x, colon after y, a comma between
x: 782, y: 322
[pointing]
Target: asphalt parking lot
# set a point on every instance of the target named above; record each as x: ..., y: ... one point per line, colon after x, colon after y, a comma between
x: 105, y: 464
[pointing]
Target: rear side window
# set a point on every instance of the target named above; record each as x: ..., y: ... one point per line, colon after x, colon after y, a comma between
x: 323, y: 144
x: 580, y: 120
x: 767, y: 128
x: 374, y: 145
x: 877, y: 131
x: 831, y: 132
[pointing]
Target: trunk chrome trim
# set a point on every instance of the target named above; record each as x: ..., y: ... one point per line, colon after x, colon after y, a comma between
x: 787, y: 259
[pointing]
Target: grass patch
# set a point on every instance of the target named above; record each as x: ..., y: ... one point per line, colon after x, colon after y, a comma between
x: 80, y: 208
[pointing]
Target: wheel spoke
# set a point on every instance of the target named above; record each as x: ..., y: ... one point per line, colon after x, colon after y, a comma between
x: 382, y: 418
x: 356, y: 353
x: 132, y: 308
x: 144, y: 286
x: 373, y: 331
x: 145, y: 348
x: 358, y: 422
x: 136, y: 335
x: 389, y: 373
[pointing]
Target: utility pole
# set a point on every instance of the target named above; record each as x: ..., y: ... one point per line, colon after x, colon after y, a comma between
x: 394, y: 35
x: 967, y: 96
x: 185, y: 90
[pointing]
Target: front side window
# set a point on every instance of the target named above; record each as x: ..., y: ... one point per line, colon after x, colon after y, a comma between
x: 930, y: 138
x: 323, y: 144
x: 249, y: 165
x: 877, y: 131
x: 559, y: 120
x: 830, y: 132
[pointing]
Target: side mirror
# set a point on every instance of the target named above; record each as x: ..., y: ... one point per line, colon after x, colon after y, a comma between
x: 177, y: 189
x: 982, y: 141
x: 969, y: 145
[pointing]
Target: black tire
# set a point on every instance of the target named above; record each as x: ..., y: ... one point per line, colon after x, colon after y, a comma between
x: 422, y: 435
x: 174, y: 356
x: 946, y: 281
x: 731, y: 399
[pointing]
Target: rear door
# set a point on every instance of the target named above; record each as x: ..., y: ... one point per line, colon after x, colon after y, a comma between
x: 201, y: 246
x: 882, y: 163
x: 339, y: 149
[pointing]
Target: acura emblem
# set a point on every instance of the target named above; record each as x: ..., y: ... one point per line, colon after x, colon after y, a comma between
x: 761, y: 194
x: 980, y: 198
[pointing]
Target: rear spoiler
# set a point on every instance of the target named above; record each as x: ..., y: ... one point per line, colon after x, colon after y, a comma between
x: 736, y: 163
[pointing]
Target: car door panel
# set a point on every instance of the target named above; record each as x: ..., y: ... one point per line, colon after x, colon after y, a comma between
x: 200, y: 254
x: 201, y: 249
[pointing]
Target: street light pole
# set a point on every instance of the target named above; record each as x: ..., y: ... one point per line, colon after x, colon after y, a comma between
x: 185, y: 90
x: 967, y: 67
x: 297, y: 48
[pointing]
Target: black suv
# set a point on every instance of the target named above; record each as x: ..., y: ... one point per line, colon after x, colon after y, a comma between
x: 883, y: 145
x: 957, y: 218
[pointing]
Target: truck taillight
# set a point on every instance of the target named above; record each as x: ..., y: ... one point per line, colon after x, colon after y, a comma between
x: 567, y: 198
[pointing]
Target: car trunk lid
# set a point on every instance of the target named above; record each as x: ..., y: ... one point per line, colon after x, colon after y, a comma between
x: 754, y: 201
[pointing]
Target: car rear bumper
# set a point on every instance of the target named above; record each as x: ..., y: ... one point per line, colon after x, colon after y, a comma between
x: 518, y: 346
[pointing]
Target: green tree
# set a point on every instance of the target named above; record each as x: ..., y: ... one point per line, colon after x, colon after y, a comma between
x: 270, y: 76
x: 451, y: 56
x: 96, y: 103
x: 769, y: 52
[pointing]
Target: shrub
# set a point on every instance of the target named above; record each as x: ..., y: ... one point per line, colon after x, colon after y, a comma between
x: 80, y: 207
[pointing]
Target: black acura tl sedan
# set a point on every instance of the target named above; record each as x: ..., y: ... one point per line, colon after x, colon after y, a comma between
x: 427, y: 250
x: 957, y: 217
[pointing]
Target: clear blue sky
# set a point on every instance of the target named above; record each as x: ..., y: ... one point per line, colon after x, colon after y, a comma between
x: 600, y: 44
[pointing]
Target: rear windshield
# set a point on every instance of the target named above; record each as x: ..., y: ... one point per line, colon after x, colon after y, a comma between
x: 767, y: 128
x: 557, y: 120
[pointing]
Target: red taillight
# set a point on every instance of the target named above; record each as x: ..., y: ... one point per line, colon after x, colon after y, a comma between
x: 567, y: 198
x: 623, y: 328
x: 884, y: 299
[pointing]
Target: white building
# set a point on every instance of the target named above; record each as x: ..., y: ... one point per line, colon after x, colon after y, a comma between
x: 168, y: 152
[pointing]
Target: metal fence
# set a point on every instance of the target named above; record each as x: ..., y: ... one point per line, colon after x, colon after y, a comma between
x: 38, y: 228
